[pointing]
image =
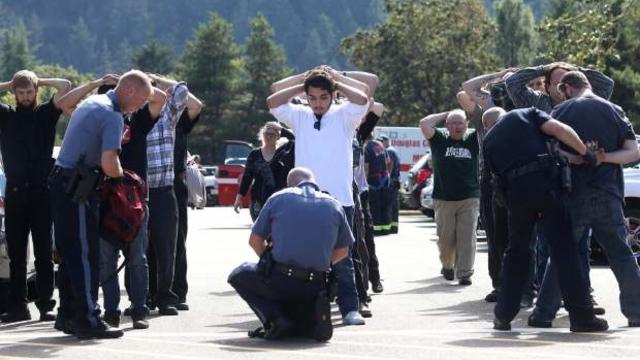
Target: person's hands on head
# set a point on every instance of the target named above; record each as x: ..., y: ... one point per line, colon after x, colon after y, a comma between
x: 109, y: 79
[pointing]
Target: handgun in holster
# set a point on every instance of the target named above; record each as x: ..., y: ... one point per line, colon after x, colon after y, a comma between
x: 83, y: 182
x: 265, y: 263
x: 563, y: 168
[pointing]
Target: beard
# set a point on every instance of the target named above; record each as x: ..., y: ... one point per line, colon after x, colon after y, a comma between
x: 26, y: 105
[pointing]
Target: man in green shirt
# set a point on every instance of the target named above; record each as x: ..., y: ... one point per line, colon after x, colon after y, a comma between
x: 456, y: 191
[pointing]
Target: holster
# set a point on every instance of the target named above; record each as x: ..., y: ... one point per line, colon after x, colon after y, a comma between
x: 265, y: 263
x: 83, y: 182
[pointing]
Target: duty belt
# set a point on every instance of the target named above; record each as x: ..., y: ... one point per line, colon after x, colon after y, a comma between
x: 541, y: 164
x: 300, y: 273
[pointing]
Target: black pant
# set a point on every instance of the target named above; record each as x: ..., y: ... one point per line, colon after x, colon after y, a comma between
x: 180, y: 285
x: 394, y: 203
x: 532, y: 198
x: 374, y: 265
x: 76, y: 233
x: 380, y: 211
x: 494, y: 220
x: 273, y: 297
x: 161, y: 254
x: 28, y: 211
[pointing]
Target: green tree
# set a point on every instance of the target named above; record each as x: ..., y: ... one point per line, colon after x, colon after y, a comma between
x: 82, y: 47
x: 265, y: 63
x: 16, y: 53
x: 625, y: 68
x: 516, y: 37
x: 211, y: 68
x: 154, y: 57
x: 584, y: 32
x: 423, y: 52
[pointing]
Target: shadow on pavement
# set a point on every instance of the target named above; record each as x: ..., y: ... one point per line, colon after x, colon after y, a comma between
x: 43, y: 347
x: 259, y: 345
x: 474, y: 310
x: 543, y: 338
x: 224, y: 293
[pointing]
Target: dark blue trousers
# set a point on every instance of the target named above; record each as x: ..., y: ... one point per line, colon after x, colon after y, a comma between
x: 76, y: 234
x: 270, y: 297
x: 537, y: 198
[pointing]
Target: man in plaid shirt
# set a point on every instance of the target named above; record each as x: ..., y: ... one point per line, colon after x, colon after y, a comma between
x: 163, y: 208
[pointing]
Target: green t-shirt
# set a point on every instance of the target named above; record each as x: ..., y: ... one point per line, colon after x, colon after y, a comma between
x: 455, y: 166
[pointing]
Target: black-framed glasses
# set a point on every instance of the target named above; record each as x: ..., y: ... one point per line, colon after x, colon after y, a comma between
x: 316, y: 125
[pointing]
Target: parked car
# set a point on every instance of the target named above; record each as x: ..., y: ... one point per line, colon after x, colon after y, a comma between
x: 419, y: 177
x: 211, y: 184
x: 631, y: 213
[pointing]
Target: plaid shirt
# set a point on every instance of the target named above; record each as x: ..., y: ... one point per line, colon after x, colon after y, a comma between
x: 161, y: 139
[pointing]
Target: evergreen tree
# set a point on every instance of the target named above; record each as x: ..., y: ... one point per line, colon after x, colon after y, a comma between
x: 211, y: 68
x: 516, y: 38
x: 154, y: 57
x: 16, y: 53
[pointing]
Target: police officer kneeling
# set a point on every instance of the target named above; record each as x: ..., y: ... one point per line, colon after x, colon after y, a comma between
x: 309, y: 232
x: 534, y: 182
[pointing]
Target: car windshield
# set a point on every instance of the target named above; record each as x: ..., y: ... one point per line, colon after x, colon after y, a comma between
x: 420, y: 163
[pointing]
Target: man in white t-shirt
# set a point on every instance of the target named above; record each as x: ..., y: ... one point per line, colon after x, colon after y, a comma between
x: 324, y: 132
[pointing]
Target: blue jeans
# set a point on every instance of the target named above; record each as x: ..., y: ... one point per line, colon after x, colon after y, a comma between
x: 137, y: 270
x: 601, y: 212
x: 345, y: 276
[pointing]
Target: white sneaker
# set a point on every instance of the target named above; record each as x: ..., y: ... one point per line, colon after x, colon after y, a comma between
x: 353, y: 318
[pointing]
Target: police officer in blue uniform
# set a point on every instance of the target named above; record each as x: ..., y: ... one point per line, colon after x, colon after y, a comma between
x: 309, y: 232
x: 90, y: 147
x: 533, y: 182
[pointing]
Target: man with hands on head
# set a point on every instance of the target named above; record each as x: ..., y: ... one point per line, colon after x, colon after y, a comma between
x: 456, y: 191
x: 27, y: 133
x: 324, y: 132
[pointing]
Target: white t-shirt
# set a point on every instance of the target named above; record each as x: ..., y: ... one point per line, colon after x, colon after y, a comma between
x: 326, y: 152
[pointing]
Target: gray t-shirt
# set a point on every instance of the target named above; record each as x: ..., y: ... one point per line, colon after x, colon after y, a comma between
x: 306, y: 226
x: 95, y: 126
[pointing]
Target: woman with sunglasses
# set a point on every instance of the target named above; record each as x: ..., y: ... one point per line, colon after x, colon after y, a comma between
x: 259, y: 171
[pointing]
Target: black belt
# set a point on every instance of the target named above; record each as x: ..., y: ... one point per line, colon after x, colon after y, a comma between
x: 300, y: 273
x: 535, y: 166
x: 59, y: 171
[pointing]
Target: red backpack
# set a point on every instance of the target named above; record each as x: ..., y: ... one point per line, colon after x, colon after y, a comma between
x: 122, y: 208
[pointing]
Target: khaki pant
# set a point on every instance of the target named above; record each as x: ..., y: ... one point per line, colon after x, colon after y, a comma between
x: 456, y: 223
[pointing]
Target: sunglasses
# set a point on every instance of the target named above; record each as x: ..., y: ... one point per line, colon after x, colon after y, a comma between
x: 316, y: 125
x: 562, y: 87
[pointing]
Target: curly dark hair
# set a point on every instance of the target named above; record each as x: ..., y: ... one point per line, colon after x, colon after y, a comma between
x: 321, y: 79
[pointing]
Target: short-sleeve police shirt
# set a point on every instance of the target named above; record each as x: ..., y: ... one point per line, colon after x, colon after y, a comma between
x: 95, y: 126
x: 26, y: 140
x: 515, y: 140
x: 306, y: 226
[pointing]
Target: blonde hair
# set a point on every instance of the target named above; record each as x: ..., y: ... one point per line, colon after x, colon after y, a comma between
x: 24, y: 78
x: 269, y: 125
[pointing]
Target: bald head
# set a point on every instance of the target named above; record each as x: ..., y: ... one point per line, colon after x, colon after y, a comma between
x: 133, y: 90
x: 457, y: 124
x: 490, y: 116
x: 298, y: 175
x: 456, y: 115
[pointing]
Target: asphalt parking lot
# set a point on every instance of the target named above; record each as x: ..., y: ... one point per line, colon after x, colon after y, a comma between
x: 418, y: 316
